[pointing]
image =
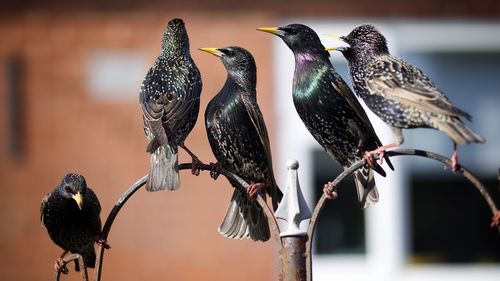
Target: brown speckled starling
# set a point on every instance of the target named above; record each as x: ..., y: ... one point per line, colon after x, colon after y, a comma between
x: 170, y: 101
x: 71, y: 216
x: 239, y: 141
x: 399, y: 93
x: 328, y: 107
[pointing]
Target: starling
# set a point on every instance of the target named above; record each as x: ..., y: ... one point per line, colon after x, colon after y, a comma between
x: 329, y: 109
x: 399, y: 93
x: 239, y: 140
x: 71, y: 215
x: 170, y: 101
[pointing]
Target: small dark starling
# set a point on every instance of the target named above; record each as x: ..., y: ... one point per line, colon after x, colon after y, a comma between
x: 238, y: 137
x: 399, y: 93
x: 329, y: 109
x: 170, y: 101
x: 71, y: 215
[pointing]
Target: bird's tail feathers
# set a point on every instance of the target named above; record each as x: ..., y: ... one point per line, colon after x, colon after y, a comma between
x: 462, y: 113
x: 89, y: 258
x: 245, y: 218
x: 365, y: 186
x: 377, y: 168
x: 153, y: 145
x: 458, y: 131
x: 163, y: 170
x: 388, y: 161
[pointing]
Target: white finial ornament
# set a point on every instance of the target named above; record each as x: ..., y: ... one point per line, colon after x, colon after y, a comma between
x: 293, y: 213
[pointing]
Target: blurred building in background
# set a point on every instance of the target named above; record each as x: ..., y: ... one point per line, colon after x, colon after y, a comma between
x: 429, y: 223
x: 69, y: 79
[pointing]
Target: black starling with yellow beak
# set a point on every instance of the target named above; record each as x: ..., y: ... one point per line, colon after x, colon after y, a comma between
x: 238, y: 137
x: 71, y: 216
x: 329, y: 109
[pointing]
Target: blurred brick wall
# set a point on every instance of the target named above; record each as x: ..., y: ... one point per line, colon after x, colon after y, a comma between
x: 157, y: 236
x: 288, y: 8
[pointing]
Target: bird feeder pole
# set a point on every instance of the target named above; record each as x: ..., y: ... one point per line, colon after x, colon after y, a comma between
x: 293, y: 216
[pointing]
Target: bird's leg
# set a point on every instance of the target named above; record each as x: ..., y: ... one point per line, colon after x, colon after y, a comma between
x: 368, y: 157
x: 60, y: 265
x: 102, y: 242
x: 454, y: 159
x: 254, y: 189
x: 495, y: 222
x: 194, y: 160
x: 215, y: 170
x: 398, y: 134
x: 330, y: 190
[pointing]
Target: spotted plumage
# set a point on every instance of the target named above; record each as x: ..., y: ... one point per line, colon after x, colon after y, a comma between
x: 71, y: 216
x: 328, y: 107
x: 238, y: 138
x: 400, y: 93
x: 170, y: 102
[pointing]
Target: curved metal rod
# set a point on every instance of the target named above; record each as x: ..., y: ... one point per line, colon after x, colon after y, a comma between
x: 461, y: 169
x: 137, y: 185
x: 109, y: 222
x: 399, y: 152
x: 69, y: 258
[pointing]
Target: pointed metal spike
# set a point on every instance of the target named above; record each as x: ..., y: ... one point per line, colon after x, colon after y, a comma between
x: 293, y: 214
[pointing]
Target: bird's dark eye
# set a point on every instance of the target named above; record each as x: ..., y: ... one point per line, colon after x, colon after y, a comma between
x: 290, y: 31
x: 228, y: 52
x: 67, y: 188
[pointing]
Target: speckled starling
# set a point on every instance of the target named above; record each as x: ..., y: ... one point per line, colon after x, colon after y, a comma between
x: 71, y: 215
x: 170, y: 101
x: 238, y: 138
x: 399, y: 93
x: 328, y: 107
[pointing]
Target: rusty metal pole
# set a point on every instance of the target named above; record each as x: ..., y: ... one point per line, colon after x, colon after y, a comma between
x: 293, y: 258
x: 293, y: 216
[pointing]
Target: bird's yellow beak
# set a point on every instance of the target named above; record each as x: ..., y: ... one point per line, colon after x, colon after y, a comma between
x: 213, y: 51
x: 340, y: 49
x: 79, y: 200
x: 272, y: 30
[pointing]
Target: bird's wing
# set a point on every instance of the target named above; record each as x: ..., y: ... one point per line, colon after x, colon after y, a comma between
x: 93, y: 198
x: 397, y: 80
x: 255, y: 115
x: 188, y: 90
x: 45, y: 199
x: 341, y: 87
x: 168, y: 93
x: 152, y: 108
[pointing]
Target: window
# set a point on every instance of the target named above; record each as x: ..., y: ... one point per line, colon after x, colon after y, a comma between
x: 450, y: 221
x: 340, y: 229
x: 443, y: 201
x: 115, y: 76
